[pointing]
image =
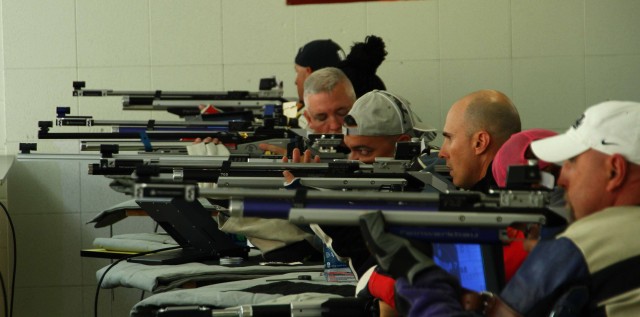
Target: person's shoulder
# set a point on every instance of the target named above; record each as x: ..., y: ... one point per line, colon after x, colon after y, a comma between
x: 614, y: 215
x: 607, y: 234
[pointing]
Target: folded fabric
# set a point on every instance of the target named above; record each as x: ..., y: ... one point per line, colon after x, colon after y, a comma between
x: 135, y: 242
x: 233, y: 294
x: 266, y: 234
x: 160, y: 278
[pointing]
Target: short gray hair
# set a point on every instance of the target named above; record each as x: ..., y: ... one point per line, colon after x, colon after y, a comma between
x: 325, y: 80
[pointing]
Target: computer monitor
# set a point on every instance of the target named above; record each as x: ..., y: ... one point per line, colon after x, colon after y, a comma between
x: 478, y: 267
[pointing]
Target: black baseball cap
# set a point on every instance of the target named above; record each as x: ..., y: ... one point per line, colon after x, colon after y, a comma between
x: 320, y: 54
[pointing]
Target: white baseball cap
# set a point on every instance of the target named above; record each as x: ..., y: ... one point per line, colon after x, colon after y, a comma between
x: 379, y: 113
x: 611, y: 127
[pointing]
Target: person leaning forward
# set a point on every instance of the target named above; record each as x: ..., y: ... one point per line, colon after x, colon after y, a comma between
x: 590, y: 269
x: 475, y: 128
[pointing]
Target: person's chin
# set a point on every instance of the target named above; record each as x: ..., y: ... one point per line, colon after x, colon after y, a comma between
x: 454, y: 180
x: 571, y: 212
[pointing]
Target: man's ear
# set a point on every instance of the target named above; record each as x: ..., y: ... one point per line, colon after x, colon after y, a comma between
x: 481, y: 141
x: 308, y: 70
x: 404, y: 137
x: 617, y: 167
x: 306, y: 115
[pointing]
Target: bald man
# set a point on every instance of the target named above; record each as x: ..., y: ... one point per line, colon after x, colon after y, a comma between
x: 475, y: 128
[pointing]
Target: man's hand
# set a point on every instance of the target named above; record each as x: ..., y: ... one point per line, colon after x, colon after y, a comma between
x: 532, y: 237
x: 272, y: 148
x: 395, y: 255
x: 296, y: 157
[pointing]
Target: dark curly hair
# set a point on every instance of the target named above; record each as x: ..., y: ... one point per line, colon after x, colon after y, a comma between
x: 362, y: 63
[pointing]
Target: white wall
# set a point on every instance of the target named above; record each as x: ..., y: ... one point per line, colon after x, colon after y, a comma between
x: 554, y: 58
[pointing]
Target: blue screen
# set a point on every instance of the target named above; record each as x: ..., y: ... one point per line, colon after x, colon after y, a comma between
x: 464, y: 261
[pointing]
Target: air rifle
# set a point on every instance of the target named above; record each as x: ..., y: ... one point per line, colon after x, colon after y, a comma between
x: 242, y: 137
x: 186, y: 103
x: 389, y: 174
x: 449, y: 217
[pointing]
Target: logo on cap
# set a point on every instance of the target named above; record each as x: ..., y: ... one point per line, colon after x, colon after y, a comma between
x: 578, y: 122
x: 403, y: 111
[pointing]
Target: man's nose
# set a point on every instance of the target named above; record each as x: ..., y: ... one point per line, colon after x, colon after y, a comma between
x: 335, y: 125
x: 444, y: 150
x: 562, y: 178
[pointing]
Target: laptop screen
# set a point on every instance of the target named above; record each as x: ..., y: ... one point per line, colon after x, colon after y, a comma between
x: 478, y: 267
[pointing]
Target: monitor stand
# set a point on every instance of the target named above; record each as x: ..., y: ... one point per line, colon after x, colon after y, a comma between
x: 193, y: 228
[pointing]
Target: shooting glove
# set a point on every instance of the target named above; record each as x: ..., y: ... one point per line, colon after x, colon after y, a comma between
x: 395, y: 255
x: 208, y: 149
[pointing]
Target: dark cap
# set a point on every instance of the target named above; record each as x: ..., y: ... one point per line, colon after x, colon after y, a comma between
x: 320, y: 54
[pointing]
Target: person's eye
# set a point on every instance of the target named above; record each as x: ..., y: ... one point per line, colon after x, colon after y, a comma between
x: 321, y: 117
x: 365, y: 152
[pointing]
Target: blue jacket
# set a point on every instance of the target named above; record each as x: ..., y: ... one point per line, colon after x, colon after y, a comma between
x: 600, y: 253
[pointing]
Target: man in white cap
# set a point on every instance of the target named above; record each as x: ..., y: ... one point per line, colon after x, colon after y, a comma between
x: 590, y: 269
